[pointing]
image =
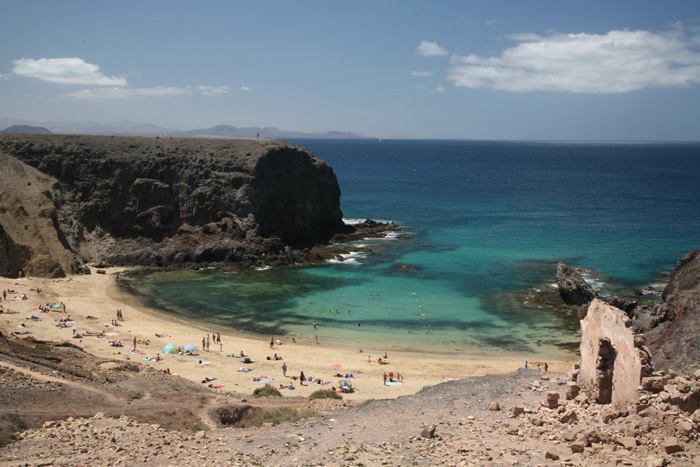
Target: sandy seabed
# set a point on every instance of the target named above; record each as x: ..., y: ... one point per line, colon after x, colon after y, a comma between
x: 92, y: 301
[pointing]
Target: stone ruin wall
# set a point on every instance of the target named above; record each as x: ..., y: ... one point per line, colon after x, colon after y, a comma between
x: 613, y: 359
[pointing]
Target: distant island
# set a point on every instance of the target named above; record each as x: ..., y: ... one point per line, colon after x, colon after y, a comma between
x: 36, y: 130
x: 126, y: 127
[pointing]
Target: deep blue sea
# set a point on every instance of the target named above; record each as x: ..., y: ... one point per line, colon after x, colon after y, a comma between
x: 485, y: 222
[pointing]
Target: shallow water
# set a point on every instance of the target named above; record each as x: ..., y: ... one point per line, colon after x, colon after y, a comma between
x: 484, y: 220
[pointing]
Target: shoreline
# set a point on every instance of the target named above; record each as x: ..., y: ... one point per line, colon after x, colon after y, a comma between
x: 93, y: 300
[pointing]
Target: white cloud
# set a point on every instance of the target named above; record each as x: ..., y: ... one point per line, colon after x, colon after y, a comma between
x: 440, y: 89
x: 65, y: 71
x: 245, y: 88
x: 128, y: 93
x: 616, y: 62
x: 430, y: 49
x: 213, y: 90
x: 5, y: 76
x: 422, y: 73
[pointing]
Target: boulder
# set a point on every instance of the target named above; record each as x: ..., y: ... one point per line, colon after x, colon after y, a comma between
x: 672, y: 445
x: 428, y: 432
x: 574, y: 290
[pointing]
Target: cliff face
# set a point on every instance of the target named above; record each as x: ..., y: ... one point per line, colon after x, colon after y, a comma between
x: 675, y: 337
x: 151, y: 200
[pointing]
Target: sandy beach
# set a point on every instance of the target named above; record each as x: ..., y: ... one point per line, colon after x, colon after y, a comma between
x: 91, y: 302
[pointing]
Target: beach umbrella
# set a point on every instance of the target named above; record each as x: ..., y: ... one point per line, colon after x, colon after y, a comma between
x: 336, y: 366
x: 266, y: 381
x: 190, y: 347
x: 345, y: 382
x: 170, y: 348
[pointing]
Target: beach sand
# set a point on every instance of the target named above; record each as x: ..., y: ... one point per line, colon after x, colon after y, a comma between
x: 92, y: 302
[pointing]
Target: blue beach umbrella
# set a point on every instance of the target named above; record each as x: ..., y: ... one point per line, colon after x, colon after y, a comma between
x: 190, y: 347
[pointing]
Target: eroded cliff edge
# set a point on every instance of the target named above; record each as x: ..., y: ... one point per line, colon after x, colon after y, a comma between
x: 67, y: 199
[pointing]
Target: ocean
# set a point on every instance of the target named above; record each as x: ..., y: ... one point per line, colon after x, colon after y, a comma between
x: 483, y: 227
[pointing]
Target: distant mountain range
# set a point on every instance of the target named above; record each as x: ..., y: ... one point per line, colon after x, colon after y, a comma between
x: 126, y: 127
x: 39, y: 130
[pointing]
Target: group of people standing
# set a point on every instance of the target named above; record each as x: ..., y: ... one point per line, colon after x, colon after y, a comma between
x: 217, y: 340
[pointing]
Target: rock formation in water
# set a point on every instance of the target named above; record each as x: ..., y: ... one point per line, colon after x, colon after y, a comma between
x: 673, y: 327
x: 574, y: 290
x: 126, y: 200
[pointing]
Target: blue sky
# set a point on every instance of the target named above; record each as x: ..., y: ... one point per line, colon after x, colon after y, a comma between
x: 555, y: 70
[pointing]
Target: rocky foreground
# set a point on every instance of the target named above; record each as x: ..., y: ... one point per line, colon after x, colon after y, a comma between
x: 526, y: 418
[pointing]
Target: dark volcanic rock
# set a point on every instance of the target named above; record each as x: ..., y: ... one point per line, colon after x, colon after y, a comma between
x: 150, y: 200
x: 675, y: 340
x: 574, y: 290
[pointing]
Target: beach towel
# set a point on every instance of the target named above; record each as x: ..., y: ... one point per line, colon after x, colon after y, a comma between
x: 449, y: 378
x: 289, y: 389
x: 219, y: 386
x: 394, y: 383
x: 202, y: 362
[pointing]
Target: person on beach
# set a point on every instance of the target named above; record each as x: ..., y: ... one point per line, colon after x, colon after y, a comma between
x: 526, y: 364
x: 272, y: 342
x: 546, y: 367
x: 385, y: 378
x: 302, y: 378
x: 207, y: 342
x: 204, y: 344
x: 369, y: 359
x: 284, y: 369
x: 134, y: 343
x: 316, y: 339
x: 315, y: 324
x: 218, y: 338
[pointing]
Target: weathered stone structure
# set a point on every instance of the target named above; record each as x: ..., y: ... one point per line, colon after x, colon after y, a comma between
x: 613, y: 359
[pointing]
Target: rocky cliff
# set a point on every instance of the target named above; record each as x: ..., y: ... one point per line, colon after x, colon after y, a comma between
x: 158, y: 200
x: 673, y: 327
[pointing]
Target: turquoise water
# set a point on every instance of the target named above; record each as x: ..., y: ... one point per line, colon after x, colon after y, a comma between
x: 484, y: 221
